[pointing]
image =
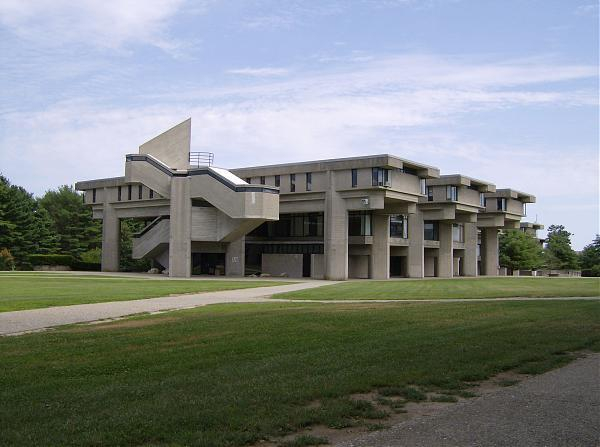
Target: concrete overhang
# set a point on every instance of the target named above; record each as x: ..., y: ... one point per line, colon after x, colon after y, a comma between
x: 336, y: 164
x: 111, y: 182
x: 532, y: 225
x: 512, y: 194
x: 462, y: 180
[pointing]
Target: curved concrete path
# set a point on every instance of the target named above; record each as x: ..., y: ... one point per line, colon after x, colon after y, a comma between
x: 558, y: 408
x: 18, y: 322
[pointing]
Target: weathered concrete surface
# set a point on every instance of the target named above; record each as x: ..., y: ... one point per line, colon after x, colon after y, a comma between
x: 38, y: 319
x: 558, y: 408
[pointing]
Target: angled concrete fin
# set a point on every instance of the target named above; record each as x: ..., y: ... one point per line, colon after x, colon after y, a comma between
x: 171, y: 147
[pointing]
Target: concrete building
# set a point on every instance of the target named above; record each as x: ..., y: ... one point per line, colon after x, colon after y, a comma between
x: 376, y: 216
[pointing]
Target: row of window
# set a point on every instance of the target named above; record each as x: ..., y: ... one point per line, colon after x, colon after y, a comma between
x: 292, y: 225
x: 308, y: 183
x: 129, y: 193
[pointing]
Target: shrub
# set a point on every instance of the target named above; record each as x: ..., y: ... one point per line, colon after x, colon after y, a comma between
x: 93, y: 256
x: 594, y: 271
x: 51, y: 259
x: 7, y: 261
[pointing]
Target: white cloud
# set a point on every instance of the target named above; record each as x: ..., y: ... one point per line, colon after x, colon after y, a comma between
x: 101, y: 23
x: 259, y: 72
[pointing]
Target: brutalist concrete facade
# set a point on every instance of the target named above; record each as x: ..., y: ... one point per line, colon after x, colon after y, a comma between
x: 376, y: 216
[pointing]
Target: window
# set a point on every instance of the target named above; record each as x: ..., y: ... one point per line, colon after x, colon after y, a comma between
x: 309, y: 181
x: 278, y: 181
x: 399, y: 226
x: 140, y: 191
x: 128, y: 192
x: 248, y: 180
x: 406, y: 170
x: 430, y: 193
x: 94, y: 195
x: 359, y: 223
x: 431, y: 230
x: 292, y: 182
x: 458, y: 232
x: 501, y: 204
x: 262, y: 179
x: 452, y: 193
x: 482, y: 199
x: 151, y: 195
x: 119, y: 193
x: 354, y: 178
x: 381, y: 177
x: 524, y: 209
x: 423, y: 186
x: 292, y: 225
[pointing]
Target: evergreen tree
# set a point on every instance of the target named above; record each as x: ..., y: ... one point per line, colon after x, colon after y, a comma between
x: 559, y: 254
x: 129, y: 227
x: 590, y: 258
x: 520, y: 251
x: 72, y: 221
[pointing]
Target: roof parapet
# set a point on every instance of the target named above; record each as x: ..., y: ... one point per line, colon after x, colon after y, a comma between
x: 462, y: 180
x: 513, y: 194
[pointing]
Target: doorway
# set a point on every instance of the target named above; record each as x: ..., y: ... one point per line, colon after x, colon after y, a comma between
x: 306, y: 265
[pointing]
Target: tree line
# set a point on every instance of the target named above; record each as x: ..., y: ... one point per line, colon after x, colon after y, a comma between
x: 57, y: 223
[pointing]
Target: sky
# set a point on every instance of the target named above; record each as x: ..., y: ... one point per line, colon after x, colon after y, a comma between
x: 503, y: 91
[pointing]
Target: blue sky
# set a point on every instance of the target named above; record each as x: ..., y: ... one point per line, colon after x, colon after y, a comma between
x: 505, y: 91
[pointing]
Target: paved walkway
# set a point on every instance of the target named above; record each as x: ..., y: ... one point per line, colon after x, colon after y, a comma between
x: 12, y: 323
x: 558, y: 408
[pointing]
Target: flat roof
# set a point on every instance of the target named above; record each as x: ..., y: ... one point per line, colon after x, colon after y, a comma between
x: 463, y: 180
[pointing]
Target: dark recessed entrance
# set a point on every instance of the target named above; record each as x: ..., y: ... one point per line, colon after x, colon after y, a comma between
x: 306, y: 257
x: 398, y: 266
x: 208, y: 263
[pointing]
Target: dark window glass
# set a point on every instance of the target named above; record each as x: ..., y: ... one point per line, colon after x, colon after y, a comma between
x: 458, y: 232
x: 119, y: 193
x: 309, y: 181
x: 292, y: 182
x: 380, y: 176
x: 359, y: 223
x: 140, y: 191
x: 481, y: 199
x: 451, y: 193
x: 410, y: 171
x: 278, y: 181
x: 151, y: 194
x: 292, y: 225
x: 354, y: 178
x: 128, y: 192
x: 399, y: 226
x: 94, y: 195
x: 431, y: 231
x: 262, y: 179
x: 501, y: 204
x: 430, y: 193
x: 248, y: 180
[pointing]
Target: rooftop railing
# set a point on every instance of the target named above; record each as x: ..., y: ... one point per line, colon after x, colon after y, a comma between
x: 198, y: 159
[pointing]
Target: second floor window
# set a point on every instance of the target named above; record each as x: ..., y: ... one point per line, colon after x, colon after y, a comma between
x: 501, y: 204
x: 399, y: 226
x: 151, y: 194
x: 278, y: 181
x: 359, y: 223
x: 128, y: 192
x: 482, y: 199
x: 354, y: 178
x: 430, y: 193
x: 452, y: 193
x: 309, y: 181
x: 431, y: 230
x: 140, y: 192
x: 248, y: 180
x: 422, y: 186
x: 458, y: 232
x: 524, y: 209
x: 262, y: 179
x: 292, y: 182
x: 381, y: 177
x: 119, y: 193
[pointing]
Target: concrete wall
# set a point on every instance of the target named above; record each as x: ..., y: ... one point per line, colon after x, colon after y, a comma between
x: 277, y: 264
x: 171, y: 147
x: 317, y: 266
x: 429, y: 265
x: 358, y: 266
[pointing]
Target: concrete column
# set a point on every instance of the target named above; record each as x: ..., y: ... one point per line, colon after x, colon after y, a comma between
x: 416, y: 250
x: 234, y: 257
x: 111, y: 239
x: 180, y: 237
x: 380, y: 250
x: 445, y: 256
x: 489, y: 251
x: 336, y: 232
x: 470, y: 259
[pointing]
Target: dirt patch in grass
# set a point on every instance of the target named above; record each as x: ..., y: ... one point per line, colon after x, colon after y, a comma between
x: 121, y: 323
x: 399, y: 404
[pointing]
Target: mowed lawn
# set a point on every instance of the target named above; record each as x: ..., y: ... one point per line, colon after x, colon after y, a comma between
x: 20, y: 291
x: 228, y: 375
x: 451, y: 288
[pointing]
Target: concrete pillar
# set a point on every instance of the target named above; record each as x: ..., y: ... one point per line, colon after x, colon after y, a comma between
x: 445, y: 256
x: 234, y: 257
x: 111, y: 239
x: 470, y: 258
x: 380, y: 250
x: 489, y: 251
x: 336, y: 232
x: 416, y: 250
x: 180, y: 237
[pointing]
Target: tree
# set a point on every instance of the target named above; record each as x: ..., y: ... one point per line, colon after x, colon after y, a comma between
x: 590, y: 258
x: 558, y: 253
x: 72, y: 221
x: 129, y: 227
x: 520, y: 251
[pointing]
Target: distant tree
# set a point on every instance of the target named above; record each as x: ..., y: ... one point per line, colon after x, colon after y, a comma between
x: 558, y: 253
x: 72, y: 221
x: 126, y: 263
x: 590, y: 258
x: 520, y: 251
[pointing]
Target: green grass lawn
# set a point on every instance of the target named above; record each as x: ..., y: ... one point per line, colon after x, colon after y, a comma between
x: 231, y: 375
x: 451, y: 288
x: 33, y: 291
